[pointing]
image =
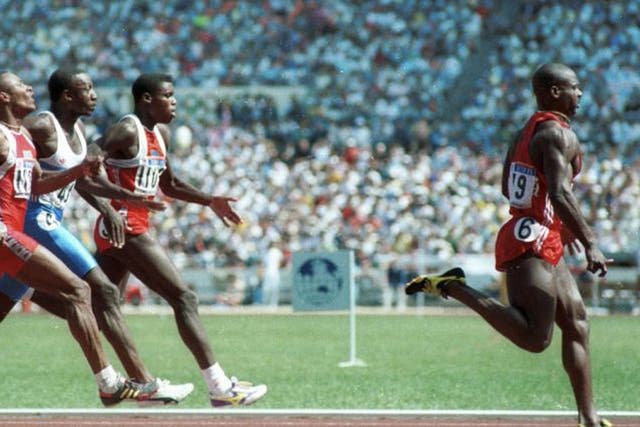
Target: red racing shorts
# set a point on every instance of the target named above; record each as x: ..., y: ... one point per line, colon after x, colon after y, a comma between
x: 15, y: 251
x: 525, y: 234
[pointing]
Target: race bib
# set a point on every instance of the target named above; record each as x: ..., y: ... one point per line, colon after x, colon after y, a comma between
x: 22, y: 178
x: 148, y: 177
x: 62, y: 195
x: 527, y: 229
x: 523, y: 184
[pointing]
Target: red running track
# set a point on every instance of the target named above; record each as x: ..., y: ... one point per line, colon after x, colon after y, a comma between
x: 168, y: 420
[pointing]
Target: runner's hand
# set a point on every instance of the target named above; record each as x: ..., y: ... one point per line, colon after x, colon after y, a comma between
x: 92, y: 165
x: 116, y: 228
x: 596, y: 262
x: 224, y: 211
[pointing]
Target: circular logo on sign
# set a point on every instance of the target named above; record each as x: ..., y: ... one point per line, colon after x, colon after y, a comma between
x: 318, y: 281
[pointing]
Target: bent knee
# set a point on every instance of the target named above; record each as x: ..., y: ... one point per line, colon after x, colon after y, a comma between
x: 81, y: 292
x: 187, y: 300
x: 574, y: 321
x: 538, y: 346
x: 106, y: 294
x: 538, y: 341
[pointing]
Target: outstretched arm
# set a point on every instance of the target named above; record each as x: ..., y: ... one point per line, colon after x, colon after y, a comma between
x: 174, y: 187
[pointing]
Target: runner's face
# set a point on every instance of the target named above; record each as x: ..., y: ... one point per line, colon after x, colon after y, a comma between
x: 21, y: 94
x: 569, y: 94
x: 83, y: 94
x: 163, y: 103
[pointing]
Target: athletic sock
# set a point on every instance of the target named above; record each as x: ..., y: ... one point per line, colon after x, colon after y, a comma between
x: 216, y: 379
x: 108, y: 379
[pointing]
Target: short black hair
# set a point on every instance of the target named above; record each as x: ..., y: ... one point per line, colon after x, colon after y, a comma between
x: 148, y: 83
x: 60, y: 80
x: 548, y: 75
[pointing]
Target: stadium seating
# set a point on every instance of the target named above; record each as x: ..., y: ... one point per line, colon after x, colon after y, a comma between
x: 395, y: 145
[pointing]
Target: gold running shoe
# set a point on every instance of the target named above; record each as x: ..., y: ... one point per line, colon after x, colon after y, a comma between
x: 432, y: 284
x: 241, y: 393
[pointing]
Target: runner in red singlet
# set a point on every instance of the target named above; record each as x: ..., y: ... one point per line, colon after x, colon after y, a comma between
x: 136, y: 159
x: 537, y: 176
x: 139, y: 174
x: 21, y: 257
x: 534, y: 226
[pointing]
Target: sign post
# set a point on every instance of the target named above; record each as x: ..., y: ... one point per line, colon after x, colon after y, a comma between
x: 326, y: 281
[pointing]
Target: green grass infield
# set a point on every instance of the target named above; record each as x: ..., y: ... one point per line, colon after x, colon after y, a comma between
x: 413, y: 362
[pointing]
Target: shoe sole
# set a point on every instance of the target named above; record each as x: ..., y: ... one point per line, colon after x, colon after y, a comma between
x: 157, y: 402
x: 160, y: 401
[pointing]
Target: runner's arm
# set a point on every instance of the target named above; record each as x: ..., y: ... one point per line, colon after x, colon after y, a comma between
x: 558, y: 148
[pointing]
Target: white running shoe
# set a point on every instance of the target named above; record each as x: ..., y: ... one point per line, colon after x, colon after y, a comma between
x: 241, y: 393
x: 162, y: 392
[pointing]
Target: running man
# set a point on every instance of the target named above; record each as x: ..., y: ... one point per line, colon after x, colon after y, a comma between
x: 22, y: 257
x: 59, y: 138
x: 136, y: 158
x: 538, y: 171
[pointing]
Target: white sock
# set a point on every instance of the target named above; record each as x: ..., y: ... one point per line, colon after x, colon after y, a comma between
x: 216, y: 379
x: 107, y: 379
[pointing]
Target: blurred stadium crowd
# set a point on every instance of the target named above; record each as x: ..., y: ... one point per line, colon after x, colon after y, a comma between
x: 377, y: 155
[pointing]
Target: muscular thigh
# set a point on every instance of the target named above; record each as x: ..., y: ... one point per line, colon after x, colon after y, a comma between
x: 45, y: 272
x: 570, y: 305
x: 532, y: 289
x: 147, y: 260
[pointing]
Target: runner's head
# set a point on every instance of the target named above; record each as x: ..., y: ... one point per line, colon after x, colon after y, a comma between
x: 557, y: 87
x: 154, y: 94
x: 16, y: 97
x: 72, y: 89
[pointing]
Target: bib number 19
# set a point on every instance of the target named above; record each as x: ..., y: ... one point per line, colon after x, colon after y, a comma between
x: 522, y: 185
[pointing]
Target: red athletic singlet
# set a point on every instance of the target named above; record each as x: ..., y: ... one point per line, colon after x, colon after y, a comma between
x: 15, y: 189
x: 140, y: 174
x: 533, y: 226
